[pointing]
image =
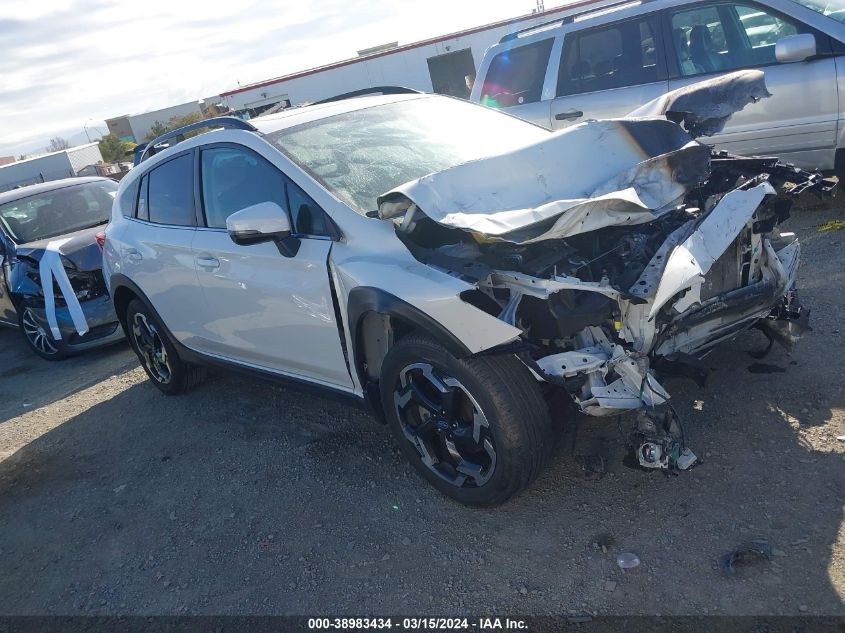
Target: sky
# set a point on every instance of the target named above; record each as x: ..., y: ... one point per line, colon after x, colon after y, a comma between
x: 70, y: 64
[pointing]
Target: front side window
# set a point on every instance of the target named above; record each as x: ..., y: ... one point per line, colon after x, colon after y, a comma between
x: 615, y: 56
x: 58, y: 212
x: 233, y: 179
x: 726, y: 37
x: 170, y: 192
x: 516, y: 76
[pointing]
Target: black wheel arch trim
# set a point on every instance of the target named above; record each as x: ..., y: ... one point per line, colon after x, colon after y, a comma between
x: 364, y: 299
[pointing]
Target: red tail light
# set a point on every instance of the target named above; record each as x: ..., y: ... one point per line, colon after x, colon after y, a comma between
x: 101, y: 240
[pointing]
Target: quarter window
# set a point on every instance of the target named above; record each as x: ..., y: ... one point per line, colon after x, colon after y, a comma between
x: 170, y: 195
x: 516, y: 76
x: 616, y: 56
x: 725, y: 37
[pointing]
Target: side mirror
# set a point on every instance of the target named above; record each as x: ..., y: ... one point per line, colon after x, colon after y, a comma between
x: 795, y: 48
x: 263, y: 222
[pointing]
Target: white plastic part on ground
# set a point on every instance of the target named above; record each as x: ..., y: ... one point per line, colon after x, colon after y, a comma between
x: 49, y: 268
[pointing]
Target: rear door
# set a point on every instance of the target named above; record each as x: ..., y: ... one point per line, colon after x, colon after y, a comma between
x: 155, y: 251
x: 264, y: 309
x: 607, y: 71
x: 799, y: 120
x: 514, y: 80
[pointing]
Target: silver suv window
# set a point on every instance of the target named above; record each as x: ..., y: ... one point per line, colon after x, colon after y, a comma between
x: 516, y: 76
x: 613, y: 56
x: 831, y: 8
x: 724, y: 37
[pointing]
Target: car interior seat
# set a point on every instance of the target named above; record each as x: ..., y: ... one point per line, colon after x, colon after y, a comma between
x: 701, y: 49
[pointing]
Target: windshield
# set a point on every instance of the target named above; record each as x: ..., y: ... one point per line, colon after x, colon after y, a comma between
x: 831, y: 8
x: 360, y: 155
x: 58, y: 212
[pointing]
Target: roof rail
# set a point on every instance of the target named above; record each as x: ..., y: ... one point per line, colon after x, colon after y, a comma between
x: 376, y: 90
x: 573, y: 17
x: 225, y: 122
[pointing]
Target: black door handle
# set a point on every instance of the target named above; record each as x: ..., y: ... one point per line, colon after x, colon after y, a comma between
x: 569, y: 114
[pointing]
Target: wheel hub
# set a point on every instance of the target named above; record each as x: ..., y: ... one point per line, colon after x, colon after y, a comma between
x: 150, y: 348
x: 445, y: 424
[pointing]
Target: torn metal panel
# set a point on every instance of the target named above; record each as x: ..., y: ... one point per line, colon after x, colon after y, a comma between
x: 690, y: 261
x: 703, y: 108
x: 615, y: 379
x: 587, y: 177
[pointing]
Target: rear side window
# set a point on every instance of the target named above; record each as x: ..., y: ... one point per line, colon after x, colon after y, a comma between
x: 170, y: 195
x: 614, y: 56
x: 516, y: 76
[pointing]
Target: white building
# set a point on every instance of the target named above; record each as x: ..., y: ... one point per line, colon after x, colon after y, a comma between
x: 436, y: 65
x: 53, y: 166
x: 135, y: 127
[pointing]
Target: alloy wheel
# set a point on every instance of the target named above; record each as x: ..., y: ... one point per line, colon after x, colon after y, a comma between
x: 38, y: 337
x: 151, y: 348
x: 445, y: 424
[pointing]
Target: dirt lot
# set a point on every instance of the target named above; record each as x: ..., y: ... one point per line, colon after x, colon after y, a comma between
x: 247, y: 498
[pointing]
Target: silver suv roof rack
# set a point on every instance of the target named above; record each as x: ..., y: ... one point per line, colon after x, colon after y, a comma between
x: 598, y: 9
x: 225, y: 122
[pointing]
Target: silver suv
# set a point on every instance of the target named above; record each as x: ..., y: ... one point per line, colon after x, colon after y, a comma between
x: 462, y: 272
x: 606, y: 62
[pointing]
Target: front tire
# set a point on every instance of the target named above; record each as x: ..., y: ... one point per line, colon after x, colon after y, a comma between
x: 477, y: 429
x: 159, y: 358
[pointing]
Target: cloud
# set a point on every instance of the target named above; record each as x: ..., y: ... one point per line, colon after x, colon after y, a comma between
x: 65, y: 63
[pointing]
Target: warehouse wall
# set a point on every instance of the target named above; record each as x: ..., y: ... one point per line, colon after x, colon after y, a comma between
x: 407, y: 68
x: 141, y: 123
x: 33, y: 170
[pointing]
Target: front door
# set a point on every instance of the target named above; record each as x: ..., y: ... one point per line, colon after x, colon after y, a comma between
x: 265, y: 309
x: 608, y: 71
x: 799, y: 120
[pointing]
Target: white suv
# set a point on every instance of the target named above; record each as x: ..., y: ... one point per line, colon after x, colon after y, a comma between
x: 432, y: 259
x: 606, y: 60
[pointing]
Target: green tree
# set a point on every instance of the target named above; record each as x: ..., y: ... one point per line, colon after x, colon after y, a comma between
x: 113, y: 149
x: 157, y: 129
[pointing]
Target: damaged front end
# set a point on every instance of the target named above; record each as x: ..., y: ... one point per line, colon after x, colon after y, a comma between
x: 619, y: 248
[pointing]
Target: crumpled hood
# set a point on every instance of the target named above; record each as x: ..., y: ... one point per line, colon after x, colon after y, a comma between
x: 592, y: 175
x: 81, y: 249
x: 615, y: 172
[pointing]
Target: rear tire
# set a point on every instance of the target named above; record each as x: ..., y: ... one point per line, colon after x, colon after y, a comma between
x: 157, y: 354
x: 477, y: 429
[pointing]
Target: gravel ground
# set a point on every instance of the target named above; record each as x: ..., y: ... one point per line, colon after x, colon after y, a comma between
x: 247, y: 498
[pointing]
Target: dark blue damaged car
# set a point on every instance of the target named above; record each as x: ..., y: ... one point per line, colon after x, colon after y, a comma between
x: 59, y: 221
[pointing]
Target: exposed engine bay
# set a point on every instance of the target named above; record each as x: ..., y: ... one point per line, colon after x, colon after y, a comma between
x: 638, y: 250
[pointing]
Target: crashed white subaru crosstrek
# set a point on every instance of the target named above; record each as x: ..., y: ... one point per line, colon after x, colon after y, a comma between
x: 455, y: 268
